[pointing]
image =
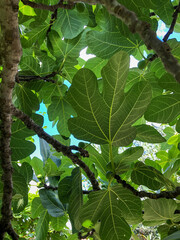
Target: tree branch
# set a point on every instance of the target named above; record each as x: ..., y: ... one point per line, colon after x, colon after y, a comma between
x: 148, y: 36
x: 53, y: 18
x: 67, y: 151
x: 10, y: 54
x: 141, y: 194
x: 25, y: 78
x: 135, y: 25
x: 171, y: 29
x: 144, y: 30
x: 48, y: 7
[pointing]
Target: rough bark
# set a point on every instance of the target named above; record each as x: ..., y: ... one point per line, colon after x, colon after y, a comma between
x: 10, y: 52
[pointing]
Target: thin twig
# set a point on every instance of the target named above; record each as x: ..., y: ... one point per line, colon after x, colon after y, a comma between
x: 67, y: 151
x: 142, y: 194
x: 25, y: 78
x: 53, y: 18
x: 171, y: 29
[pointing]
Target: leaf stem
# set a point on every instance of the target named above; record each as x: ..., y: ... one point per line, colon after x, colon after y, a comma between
x: 111, y: 157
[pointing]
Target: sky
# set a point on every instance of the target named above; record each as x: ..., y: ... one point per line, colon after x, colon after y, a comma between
x: 133, y: 63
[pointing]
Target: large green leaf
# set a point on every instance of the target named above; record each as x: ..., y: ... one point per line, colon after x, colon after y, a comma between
x: 37, y: 34
x: 107, y: 118
x: 165, y: 12
x: 137, y: 5
x: 159, y: 209
x: 36, y: 207
x: 168, y: 82
x: 58, y: 223
x: 42, y: 226
x: 51, y: 202
x: 163, y: 109
x: 26, y: 171
x: 50, y: 90
x: 37, y: 165
x: 148, y: 176
x: 106, y: 44
x: 111, y: 207
x: 19, y: 129
x: 27, y: 100
x: 61, y: 109
x: 173, y: 236
x: 122, y: 161
x: 110, y: 23
x: 68, y: 47
x: 29, y: 64
x: 146, y: 133
x: 20, y: 188
x: 75, y: 199
x: 99, y: 159
x: 21, y: 148
x: 70, y: 22
x: 64, y: 189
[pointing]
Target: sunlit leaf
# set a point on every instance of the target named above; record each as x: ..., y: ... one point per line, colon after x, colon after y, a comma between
x: 107, y: 118
x: 111, y: 208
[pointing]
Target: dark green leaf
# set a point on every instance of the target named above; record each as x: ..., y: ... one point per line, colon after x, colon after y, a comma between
x: 111, y: 207
x: 51, y: 202
x: 163, y: 109
x: 64, y: 189
x: 75, y: 199
x: 28, y: 101
x: 21, y: 148
x: 26, y: 171
x: 146, y: 133
x: 146, y: 175
x: 108, y: 43
x: 70, y: 22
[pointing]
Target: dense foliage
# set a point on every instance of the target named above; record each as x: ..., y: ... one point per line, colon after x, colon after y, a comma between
x: 107, y: 187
